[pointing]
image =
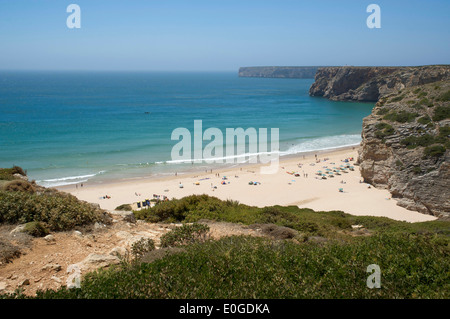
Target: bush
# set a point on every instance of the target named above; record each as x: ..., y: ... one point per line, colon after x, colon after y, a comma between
x: 445, y: 97
x: 19, y: 185
x: 36, y: 229
x: 124, y: 207
x: 185, y: 235
x: 58, y: 211
x: 8, y: 251
x: 422, y: 94
x: 140, y: 248
x: 382, y: 111
x: 397, y: 98
x: 441, y: 113
x: 401, y: 117
x: 424, y: 119
x: 412, y: 142
x: 434, y: 151
x: 8, y: 173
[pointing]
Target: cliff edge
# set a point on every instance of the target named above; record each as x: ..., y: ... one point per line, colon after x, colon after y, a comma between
x: 406, y: 142
x: 349, y: 83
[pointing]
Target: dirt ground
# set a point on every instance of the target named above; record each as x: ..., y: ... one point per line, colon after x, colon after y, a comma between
x: 44, y: 262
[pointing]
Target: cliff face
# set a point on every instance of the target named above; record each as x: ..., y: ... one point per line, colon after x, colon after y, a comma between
x: 406, y: 144
x: 370, y: 83
x: 295, y: 72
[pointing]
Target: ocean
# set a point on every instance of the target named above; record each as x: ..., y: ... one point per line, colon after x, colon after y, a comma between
x: 76, y: 127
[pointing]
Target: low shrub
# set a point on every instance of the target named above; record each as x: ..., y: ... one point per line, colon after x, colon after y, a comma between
x: 36, y: 229
x: 397, y: 98
x: 140, y: 248
x: 412, y: 142
x: 185, y: 235
x: 124, y: 207
x: 441, y: 113
x: 8, y: 173
x: 58, y: 211
x: 445, y: 97
x: 382, y: 111
x: 401, y: 117
x: 424, y: 119
x: 434, y: 151
x: 8, y: 251
x: 19, y: 185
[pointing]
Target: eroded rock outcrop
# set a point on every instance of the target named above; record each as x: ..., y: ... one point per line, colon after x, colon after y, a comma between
x: 349, y: 83
x: 406, y: 147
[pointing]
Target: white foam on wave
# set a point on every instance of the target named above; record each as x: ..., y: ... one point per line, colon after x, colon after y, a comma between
x: 69, y: 180
x: 324, y: 143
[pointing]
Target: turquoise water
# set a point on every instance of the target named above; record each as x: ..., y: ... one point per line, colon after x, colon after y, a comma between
x: 72, y: 127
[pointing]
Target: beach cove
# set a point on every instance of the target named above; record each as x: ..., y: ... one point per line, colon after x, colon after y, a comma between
x: 345, y: 192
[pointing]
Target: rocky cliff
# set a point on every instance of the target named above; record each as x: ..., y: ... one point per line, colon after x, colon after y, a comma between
x: 295, y: 72
x: 370, y: 83
x: 406, y: 139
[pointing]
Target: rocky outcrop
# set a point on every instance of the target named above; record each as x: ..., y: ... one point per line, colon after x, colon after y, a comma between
x: 349, y: 83
x: 294, y: 72
x: 406, y: 146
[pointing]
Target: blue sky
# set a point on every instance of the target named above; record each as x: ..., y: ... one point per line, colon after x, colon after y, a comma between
x: 220, y: 35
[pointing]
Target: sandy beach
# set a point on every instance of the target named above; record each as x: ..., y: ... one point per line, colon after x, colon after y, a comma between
x: 282, y: 188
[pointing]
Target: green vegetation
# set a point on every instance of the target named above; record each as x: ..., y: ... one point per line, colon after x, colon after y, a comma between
x: 19, y: 185
x: 426, y: 102
x: 441, y: 113
x: 36, y: 229
x: 413, y: 266
x: 142, y: 247
x: 397, y: 98
x: 43, y: 210
x: 412, y: 142
x: 383, y: 111
x: 8, y: 252
x: 422, y: 94
x: 185, y: 235
x: 434, y: 151
x: 399, y: 164
x: 383, y: 130
x: 8, y: 173
x: 413, y: 258
x: 56, y: 211
x: 424, y: 119
x: 196, y: 207
x: 124, y: 207
x: 401, y: 117
x: 445, y: 97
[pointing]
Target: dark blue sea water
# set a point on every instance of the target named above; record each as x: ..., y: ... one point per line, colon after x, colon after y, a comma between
x: 71, y: 127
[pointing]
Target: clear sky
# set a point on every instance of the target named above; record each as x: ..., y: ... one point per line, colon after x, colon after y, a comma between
x: 210, y: 35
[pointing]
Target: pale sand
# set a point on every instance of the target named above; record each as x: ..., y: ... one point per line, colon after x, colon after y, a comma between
x: 275, y: 189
